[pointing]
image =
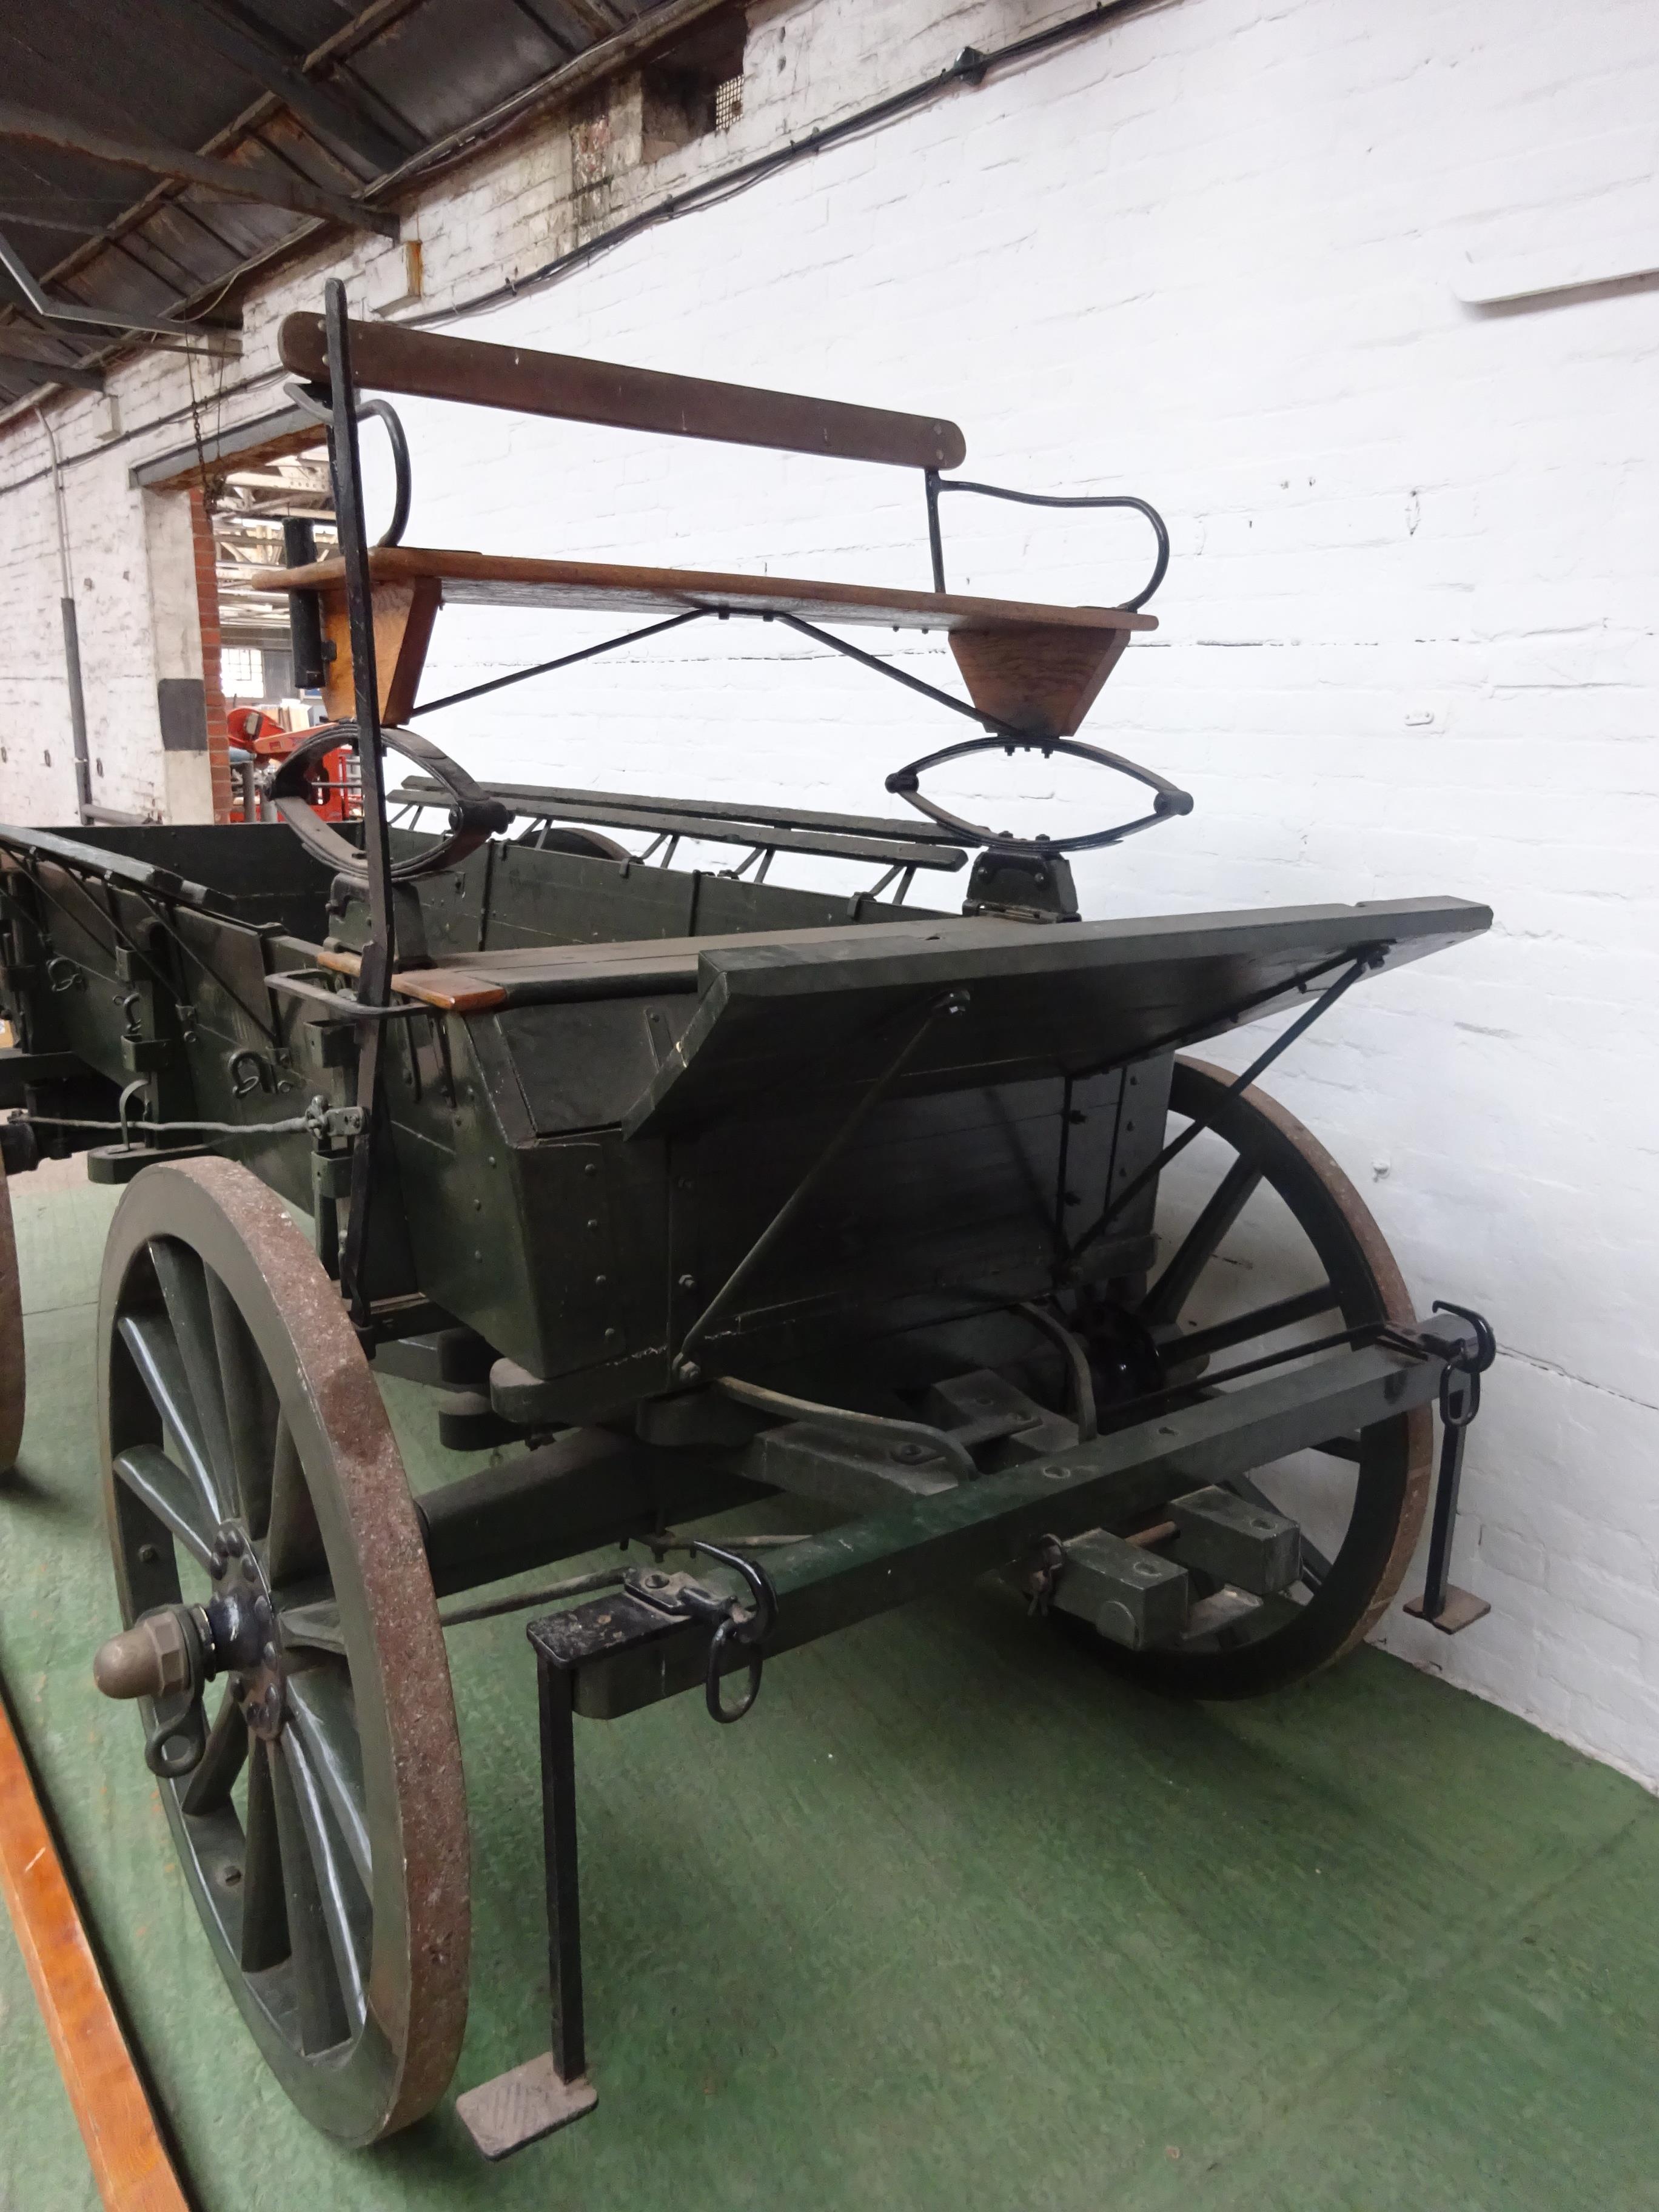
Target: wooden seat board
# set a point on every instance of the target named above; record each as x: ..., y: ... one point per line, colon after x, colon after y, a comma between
x: 604, y: 587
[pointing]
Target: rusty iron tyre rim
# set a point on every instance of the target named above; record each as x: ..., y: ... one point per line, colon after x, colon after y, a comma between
x: 335, y: 1895
x: 1282, y: 1641
x: 13, y: 1370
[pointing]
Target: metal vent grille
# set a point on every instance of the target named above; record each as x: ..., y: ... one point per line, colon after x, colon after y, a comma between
x: 728, y: 102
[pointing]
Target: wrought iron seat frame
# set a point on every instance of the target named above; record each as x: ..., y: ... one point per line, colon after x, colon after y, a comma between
x: 1032, y: 670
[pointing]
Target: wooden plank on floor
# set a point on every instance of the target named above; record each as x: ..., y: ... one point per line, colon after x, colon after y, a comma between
x: 130, y: 2163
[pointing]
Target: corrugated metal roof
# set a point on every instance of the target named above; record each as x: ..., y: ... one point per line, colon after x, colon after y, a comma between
x: 340, y: 97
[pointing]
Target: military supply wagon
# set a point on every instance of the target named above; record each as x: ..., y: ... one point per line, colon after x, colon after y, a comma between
x: 688, y: 1189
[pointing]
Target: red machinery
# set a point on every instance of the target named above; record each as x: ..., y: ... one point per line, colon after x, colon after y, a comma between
x: 334, y: 786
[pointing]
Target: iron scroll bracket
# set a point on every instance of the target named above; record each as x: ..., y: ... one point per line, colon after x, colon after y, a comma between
x: 936, y: 484
x: 314, y: 399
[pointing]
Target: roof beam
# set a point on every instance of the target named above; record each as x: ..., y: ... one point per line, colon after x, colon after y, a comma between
x: 226, y: 178
x: 36, y: 303
x: 53, y: 372
x: 340, y: 123
x: 79, y: 225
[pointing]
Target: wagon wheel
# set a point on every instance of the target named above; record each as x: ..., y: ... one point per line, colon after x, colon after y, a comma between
x: 12, y: 1370
x: 1269, y: 1202
x: 250, y: 1472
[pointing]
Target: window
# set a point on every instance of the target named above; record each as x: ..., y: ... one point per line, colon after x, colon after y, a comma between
x: 242, y: 673
x: 693, y: 88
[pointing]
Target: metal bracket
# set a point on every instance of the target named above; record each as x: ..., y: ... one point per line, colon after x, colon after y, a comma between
x: 685, y: 1595
x: 1443, y: 1605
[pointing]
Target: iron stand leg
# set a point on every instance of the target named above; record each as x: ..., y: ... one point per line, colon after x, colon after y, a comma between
x: 564, y: 1933
x: 1448, y: 1483
x: 1443, y: 1605
x: 549, y: 2092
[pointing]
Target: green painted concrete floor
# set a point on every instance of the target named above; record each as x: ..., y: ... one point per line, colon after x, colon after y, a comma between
x: 954, y: 1921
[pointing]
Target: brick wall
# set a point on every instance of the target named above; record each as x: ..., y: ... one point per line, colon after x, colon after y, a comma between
x: 1214, y: 255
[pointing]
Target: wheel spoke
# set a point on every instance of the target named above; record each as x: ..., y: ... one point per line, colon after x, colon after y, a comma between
x: 250, y: 1404
x: 314, y: 1909
x: 155, y: 1356
x: 1171, y: 1292
x: 208, y: 1789
x: 183, y: 1278
x: 163, y: 1486
x: 318, y: 1626
x: 322, y: 1713
x: 342, y: 1885
x: 1260, y: 1321
x: 265, y: 1905
x: 294, y: 1543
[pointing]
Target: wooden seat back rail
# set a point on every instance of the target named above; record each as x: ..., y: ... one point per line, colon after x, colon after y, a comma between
x: 385, y: 357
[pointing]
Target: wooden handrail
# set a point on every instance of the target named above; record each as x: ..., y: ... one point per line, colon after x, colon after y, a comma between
x: 387, y: 358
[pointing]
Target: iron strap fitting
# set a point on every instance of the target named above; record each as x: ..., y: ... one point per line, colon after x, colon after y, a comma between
x: 327, y: 1123
x: 733, y: 1622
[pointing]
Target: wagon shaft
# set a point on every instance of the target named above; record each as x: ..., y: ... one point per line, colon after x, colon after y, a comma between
x: 623, y: 1652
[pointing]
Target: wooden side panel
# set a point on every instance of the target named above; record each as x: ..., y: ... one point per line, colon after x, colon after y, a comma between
x: 1043, y: 679
x: 128, y: 2162
x: 403, y: 615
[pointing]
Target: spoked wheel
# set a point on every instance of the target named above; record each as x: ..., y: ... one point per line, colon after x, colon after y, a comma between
x: 11, y: 1337
x: 264, y: 1540
x: 1266, y: 1243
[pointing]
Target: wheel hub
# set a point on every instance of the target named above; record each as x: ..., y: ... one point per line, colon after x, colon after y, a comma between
x: 242, y: 1625
x: 177, y: 1649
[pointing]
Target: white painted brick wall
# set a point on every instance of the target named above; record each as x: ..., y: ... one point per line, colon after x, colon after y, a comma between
x: 1407, y: 639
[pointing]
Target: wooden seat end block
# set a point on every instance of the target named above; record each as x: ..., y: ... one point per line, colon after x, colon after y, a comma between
x: 449, y: 990
x: 1042, y: 679
x: 404, y: 611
